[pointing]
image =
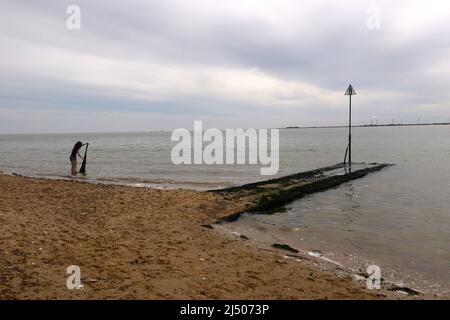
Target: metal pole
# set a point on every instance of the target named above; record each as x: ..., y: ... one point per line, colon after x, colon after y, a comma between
x: 350, y: 132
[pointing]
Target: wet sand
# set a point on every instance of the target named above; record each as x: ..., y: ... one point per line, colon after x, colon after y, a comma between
x: 137, y: 243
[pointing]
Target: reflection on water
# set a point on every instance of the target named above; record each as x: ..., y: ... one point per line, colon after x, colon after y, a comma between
x: 361, y: 223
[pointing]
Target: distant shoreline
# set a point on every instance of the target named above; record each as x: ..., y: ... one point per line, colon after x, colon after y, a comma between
x: 281, y: 128
x: 374, y: 125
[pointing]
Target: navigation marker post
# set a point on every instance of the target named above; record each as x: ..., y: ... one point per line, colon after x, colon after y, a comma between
x: 350, y: 92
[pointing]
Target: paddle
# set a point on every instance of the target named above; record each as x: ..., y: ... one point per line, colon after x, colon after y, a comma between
x: 83, y: 165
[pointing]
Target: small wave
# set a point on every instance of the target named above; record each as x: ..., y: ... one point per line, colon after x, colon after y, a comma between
x: 129, y: 181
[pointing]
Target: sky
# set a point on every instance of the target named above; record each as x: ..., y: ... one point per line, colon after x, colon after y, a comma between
x: 160, y: 65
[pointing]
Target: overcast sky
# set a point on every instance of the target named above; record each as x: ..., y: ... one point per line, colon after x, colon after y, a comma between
x: 160, y: 65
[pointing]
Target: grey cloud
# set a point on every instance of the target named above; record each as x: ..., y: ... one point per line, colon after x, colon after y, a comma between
x: 334, y: 49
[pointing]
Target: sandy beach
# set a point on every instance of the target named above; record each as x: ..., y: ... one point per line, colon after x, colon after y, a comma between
x: 136, y: 243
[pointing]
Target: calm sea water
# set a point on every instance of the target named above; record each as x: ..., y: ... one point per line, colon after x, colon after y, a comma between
x: 398, y: 218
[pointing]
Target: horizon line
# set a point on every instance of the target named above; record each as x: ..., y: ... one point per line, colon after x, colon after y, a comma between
x: 280, y: 128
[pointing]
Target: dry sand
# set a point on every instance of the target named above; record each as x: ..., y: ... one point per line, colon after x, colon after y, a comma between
x: 136, y: 243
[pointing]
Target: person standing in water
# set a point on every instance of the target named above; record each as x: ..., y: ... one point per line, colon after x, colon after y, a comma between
x: 73, y: 156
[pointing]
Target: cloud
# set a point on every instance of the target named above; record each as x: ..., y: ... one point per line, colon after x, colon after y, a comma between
x: 270, y: 63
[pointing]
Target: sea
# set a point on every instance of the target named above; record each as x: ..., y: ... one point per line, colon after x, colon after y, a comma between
x: 397, y: 219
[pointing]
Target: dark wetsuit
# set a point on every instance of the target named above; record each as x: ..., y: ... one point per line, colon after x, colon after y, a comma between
x: 73, y: 155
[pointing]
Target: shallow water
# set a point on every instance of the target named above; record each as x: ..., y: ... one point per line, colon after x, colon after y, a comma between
x: 398, y: 218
